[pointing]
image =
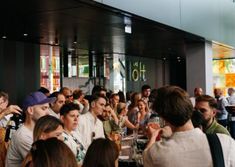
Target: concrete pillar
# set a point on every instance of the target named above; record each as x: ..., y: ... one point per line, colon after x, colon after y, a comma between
x: 199, y: 67
x: 209, y: 68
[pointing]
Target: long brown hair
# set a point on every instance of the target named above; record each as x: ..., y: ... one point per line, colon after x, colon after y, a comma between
x: 45, y: 124
x: 101, y: 153
x: 134, y: 100
x: 52, y: 153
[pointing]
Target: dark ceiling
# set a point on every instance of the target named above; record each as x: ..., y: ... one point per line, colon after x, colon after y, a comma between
x: 97, y: 28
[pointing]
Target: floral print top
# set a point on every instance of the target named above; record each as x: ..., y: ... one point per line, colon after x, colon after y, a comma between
x: 75, y: 144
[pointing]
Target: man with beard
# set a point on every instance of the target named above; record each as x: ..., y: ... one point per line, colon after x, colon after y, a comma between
x: 35, y: 106
x: 208, y: 107
x: 55, y: 107
x: 187, y: 146
x: 197, y: 92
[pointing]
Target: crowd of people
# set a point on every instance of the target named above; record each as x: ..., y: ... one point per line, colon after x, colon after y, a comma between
x: 68, y: 128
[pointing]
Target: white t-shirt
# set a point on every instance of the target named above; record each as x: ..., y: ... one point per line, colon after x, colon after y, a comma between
x: 90, y: 128
x: 52, y: 113
x: 231, y: 100
x: 20, y: 145
x: 5, y: 120
x: 188, y: 148
x: 193, y: 101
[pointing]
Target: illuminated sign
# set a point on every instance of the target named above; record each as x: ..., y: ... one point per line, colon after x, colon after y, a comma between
x: 137, y: 71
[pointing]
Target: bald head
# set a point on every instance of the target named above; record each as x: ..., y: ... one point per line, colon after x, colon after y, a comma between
x: 231, y: 91
x: 218, y: 92
x: 198, y: 92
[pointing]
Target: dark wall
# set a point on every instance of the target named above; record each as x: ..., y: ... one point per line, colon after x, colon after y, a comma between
x: 178, y: 73
x: 158, y: 73
x: 153, y: 73
x: 19, y: 69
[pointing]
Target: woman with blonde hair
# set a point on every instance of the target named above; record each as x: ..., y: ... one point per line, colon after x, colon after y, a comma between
x: 143, y: 115
x: 122, y: 117
x: 133, y: 109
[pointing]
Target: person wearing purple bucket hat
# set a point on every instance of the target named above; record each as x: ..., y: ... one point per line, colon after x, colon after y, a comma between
x: 34, y: 106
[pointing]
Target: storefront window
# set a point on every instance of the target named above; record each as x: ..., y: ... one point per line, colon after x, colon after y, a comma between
x: 223, y: 67
x: 78, y: 63
x: 50, y: 67
x: 119, y: 73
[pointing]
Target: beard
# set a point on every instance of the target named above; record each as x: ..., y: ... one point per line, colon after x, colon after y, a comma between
x: 206, y: 123
x: 100, y: 117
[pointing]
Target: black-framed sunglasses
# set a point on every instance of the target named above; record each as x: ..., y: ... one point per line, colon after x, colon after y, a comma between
x: 68, y: 96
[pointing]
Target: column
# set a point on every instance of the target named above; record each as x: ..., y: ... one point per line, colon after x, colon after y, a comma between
x: 199, y: 67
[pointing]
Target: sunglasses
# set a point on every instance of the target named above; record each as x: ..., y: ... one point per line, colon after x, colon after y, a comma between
x: 68, y: 96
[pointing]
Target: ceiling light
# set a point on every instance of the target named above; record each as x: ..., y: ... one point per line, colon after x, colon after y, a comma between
x: 25, y: 34
x: 127, y: 22
x: 128, y: 29
x: 4, y: 37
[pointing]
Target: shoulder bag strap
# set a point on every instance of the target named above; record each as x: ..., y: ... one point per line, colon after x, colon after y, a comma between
x: 216, y: 150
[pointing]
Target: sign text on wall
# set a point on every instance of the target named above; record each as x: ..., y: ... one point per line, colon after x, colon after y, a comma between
x: 137, y: 71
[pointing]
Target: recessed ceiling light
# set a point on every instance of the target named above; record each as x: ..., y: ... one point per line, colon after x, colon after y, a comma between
x: 128, y: 29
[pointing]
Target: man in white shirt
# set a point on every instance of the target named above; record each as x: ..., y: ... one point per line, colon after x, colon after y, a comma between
x: 90, y: 127
x: 231, y: 97
x: 197, y: 92
x: 222, y: 113
x: 187, y: 146
x: 55, y: 107
x: 35, y: 106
